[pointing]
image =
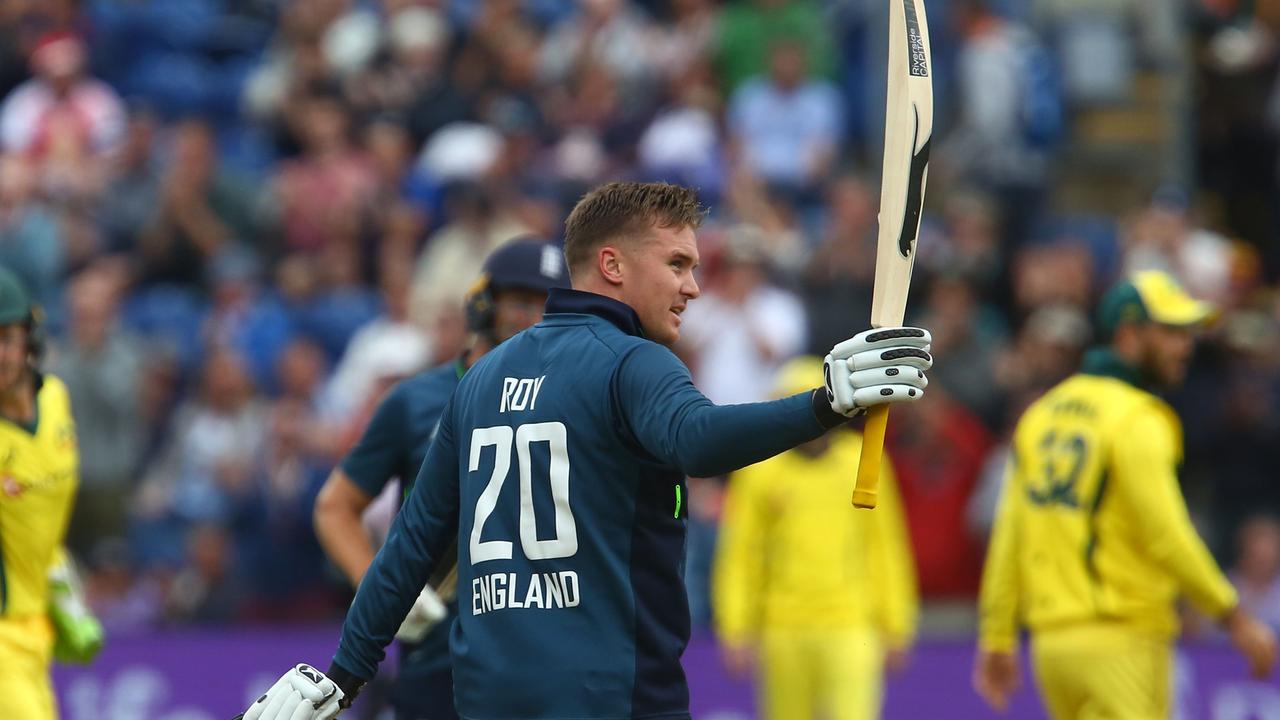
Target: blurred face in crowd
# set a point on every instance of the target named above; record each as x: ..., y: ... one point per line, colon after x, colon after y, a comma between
x: 92, y: 302
x: 951, y: 312
x: 193, y: 152
x: 226, y: 385
x: 655, y: 277
x: 207, y: 550
x: 136, y: 151
x: 853, y: 206
x: 301, y: 369
x: 13, y: 355
x: 1161, y: 226
x: 389, y: 148
x: 741, y: 278
x: 396, y: 284
x: 515, y: 309
x: 1260, y: 549
x: 787, y: 65
x: 326, y: 126
x: 59, y: 62
x: 1164, y: 352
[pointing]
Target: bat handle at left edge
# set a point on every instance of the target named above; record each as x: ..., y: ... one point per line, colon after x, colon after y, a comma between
x: 868, y: 482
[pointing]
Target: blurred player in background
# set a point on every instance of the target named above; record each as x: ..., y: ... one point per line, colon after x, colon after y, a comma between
x: 1093, y: 543
x: 559, y: 467
x: 40, y: 610
x: 508, y: 298
x: 818, y: 595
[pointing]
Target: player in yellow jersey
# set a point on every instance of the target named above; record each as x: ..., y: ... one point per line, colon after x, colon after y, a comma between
x: 814, y: 592
x: 38, y: 478
x: 1093, y: 544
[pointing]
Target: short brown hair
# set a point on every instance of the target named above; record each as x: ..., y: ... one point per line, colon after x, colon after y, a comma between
x: 626, y: 209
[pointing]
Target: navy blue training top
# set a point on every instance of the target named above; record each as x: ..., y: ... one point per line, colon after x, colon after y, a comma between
x: 559, y: 468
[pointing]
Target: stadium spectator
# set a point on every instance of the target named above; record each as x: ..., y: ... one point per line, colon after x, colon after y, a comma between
x: 391, y: 345
x: 746, y: 28
x: 102, y: 366
x: 205, y: 469
x: 454, y: 254
x: 786, y: 125
x: 997, y: 143
x: 838, y: 278
x: 64, y: 122
x: 323, y: 194
x: 938, y: 448
x: 1257, y: 571
x: 31, y: 232
x: 200, y: 212
x: 209, y: 588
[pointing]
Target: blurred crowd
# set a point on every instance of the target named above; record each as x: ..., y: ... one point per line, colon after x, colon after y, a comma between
x: 245, y: 219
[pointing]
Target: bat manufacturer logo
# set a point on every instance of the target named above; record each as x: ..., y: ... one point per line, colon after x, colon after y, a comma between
x: 917, y: 57
x: 915, y: 192
x: 309, y: 673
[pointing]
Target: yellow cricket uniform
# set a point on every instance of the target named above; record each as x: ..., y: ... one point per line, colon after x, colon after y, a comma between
x: 820, y: 588
x: 38, y: 476
x: 1093, y: 545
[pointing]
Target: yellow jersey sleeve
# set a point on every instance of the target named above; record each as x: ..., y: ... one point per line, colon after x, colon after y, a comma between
x: 737, y: 585
x: 998, y: 598
x: 1147, y: 490
x: 892, y: 565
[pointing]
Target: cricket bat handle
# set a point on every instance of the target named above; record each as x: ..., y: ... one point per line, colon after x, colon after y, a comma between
x: 868, y: 482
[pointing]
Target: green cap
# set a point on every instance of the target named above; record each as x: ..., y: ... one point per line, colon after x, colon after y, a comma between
x: 1150, y: 296
x: 15, y: 304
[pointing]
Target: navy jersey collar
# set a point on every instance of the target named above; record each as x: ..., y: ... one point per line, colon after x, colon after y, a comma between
x: 566, y: 300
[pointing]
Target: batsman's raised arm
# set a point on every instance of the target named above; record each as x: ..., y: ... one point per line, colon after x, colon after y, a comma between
x: 674, y: 421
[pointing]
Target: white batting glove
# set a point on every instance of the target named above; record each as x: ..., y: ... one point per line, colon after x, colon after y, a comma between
x: 878, y: 366
x: 427, y: 612
x: 303, y: 693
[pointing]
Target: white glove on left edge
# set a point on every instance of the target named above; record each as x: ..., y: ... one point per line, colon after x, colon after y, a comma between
x: 303, y: 693
x: 427, y: 611
x: 878, y: 366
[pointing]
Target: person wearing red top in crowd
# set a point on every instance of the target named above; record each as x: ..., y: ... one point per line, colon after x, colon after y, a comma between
x: 938, y: 453
x: 63, y: 121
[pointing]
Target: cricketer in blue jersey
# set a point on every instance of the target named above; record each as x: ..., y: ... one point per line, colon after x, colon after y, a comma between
x: 558, y: 469
x: 508, y: 298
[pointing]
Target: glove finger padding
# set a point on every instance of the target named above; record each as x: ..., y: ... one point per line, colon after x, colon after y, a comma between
x: 879, y: 394
x: 883, y: 339
x: 889, y: 357
x: 893, y: 375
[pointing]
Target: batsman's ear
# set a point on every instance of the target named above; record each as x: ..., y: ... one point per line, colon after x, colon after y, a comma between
x: 609, y: 261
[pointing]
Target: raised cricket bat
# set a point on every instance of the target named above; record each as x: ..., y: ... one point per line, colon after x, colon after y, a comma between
x: 908, y: 127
